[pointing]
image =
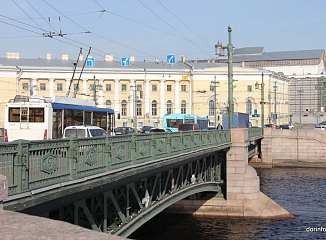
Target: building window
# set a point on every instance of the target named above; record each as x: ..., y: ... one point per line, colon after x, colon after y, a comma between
x: 108, y: 87
x: 123, y: 88
x: 169, y: 107
x: 183, y: 107
x: 183, y: 88
x: 249, y: 88
x: 211, y: 110
x: 108, y: 104
x: 169, y: 88
x: 76, y: 88
x: 154, y: 88
x: 124, y: 108
x: 42, y: 86
x: 249, y: 107
x: 59, y: 87
x: 25, y: 86
x: 139, y: 87
x: 139, y: 108
x: 154, y: 108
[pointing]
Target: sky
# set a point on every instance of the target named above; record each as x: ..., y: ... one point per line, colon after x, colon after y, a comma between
x: 150, y: 29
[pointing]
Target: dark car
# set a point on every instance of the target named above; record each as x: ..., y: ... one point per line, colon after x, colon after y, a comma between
x: 145, y: 129
x: 152, y: 130
x: 124, y: 130
x: 269, y: 125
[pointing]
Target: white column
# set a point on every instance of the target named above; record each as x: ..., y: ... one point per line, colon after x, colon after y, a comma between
x: 51, y: 87
x: 116, y: 96
x: 34, y: 86
x: 147, y: 98
x: 85, y: 90
x: 67, y: 86
x: 162, y: 99
x: 131, y: 107
x: 177, y: 96
x: 190, y: 95
x: 100, y: 93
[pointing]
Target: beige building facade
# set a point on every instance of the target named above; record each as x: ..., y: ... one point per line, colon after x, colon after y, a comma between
x: 148, y: 90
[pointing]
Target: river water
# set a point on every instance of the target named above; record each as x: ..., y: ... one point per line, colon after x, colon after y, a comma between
x: 301, y: 191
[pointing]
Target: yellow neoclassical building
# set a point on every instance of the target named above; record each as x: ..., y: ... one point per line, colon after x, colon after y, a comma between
x: 148, y: 90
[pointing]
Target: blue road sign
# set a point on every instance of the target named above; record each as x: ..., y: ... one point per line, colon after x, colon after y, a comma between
x: 273, y: 120
x: 170, y: 58
x: 90, y: 62
x: 125, y: 61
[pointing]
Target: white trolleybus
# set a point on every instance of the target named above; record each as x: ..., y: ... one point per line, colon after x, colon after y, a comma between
x: 38, y: 118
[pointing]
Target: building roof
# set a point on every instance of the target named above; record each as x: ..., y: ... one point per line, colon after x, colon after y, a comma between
x: 248, y: 51
x: 276, y: 56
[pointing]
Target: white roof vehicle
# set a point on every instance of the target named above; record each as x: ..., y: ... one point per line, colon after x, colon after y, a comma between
x: 83, y: 131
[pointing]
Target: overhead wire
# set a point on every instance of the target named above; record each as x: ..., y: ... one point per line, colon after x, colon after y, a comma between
x: 98, y: 34
x: 183, y: 23
x: 172, y: 27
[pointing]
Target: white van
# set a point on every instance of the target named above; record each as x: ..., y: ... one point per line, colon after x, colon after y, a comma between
x: 82, y: 131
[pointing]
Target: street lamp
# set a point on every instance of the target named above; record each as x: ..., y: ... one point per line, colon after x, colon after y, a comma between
x: 300, y: 93
x: 275, y: 115
x: 257, y: 85
x: 220, y: 52
x: 214, y: 85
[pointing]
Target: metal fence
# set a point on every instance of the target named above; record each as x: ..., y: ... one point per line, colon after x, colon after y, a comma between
x: 31, y: 165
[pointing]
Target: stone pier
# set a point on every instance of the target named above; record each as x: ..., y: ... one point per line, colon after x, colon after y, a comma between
x: 243, y: 195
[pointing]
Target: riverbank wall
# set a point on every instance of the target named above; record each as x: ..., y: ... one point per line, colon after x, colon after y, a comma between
x: 292, y: 148
x: 243, y: 195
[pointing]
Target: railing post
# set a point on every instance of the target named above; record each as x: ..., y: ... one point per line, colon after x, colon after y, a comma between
x: 107, y: 152
x: 73, y: 157
x: 21, y: 166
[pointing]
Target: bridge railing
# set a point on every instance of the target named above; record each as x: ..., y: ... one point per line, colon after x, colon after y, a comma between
x: 32, y: 165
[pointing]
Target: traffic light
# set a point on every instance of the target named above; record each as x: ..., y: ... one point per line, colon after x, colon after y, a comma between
x: 255, y: 113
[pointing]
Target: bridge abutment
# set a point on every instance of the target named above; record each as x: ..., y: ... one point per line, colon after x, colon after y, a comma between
x: 243, y: 195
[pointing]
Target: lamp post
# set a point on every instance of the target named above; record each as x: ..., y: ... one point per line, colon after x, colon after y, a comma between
x: 275, y: 115
x: 262, y: 99
x: 214, y: 85
x: 300, y: 93
x: 220, y: 52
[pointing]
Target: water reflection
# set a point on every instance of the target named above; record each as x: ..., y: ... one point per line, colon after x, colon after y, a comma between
x: 301, y: 191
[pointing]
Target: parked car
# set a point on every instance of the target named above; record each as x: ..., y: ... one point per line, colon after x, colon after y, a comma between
x: 212, y: 128
x: 322, y: 127
x: 152, y: 130
x: 124, y: 130
x: 269, y: 125
x: 145, y: 129
x: 322, y: 123
x: 82, y: 131
x: 284, y: 126
x: 188, y: 127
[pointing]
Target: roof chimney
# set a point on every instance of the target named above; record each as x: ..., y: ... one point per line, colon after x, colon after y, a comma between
x: 81, y: 58
x: 48, y: 56
x: 183, y: 59
x: 64, y: 57
x: 108, y: 58
x: 12, y: 55
x: 132, y: 58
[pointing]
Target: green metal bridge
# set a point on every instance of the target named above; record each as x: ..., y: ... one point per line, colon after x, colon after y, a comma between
x: 115, y: 184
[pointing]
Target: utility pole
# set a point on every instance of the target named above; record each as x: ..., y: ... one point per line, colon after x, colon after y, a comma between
x: 275, y: 115
x: 300, y: 93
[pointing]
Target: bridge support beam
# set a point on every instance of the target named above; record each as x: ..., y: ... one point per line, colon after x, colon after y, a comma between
x: 243, y: 196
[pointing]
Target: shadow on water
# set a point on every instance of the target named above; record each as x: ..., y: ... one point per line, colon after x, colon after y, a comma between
x: 301, y: 191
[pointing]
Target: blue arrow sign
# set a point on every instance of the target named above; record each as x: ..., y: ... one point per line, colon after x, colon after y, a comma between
x: 125, y: 61
x: 170, y: 58
x: 90, y: 62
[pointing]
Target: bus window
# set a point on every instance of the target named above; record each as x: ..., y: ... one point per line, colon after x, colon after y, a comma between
x: 173, y: 122
x: 14, y: 115
x: 36, y: 114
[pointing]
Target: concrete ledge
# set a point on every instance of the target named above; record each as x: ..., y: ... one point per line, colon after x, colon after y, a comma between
x: 262, y: 207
